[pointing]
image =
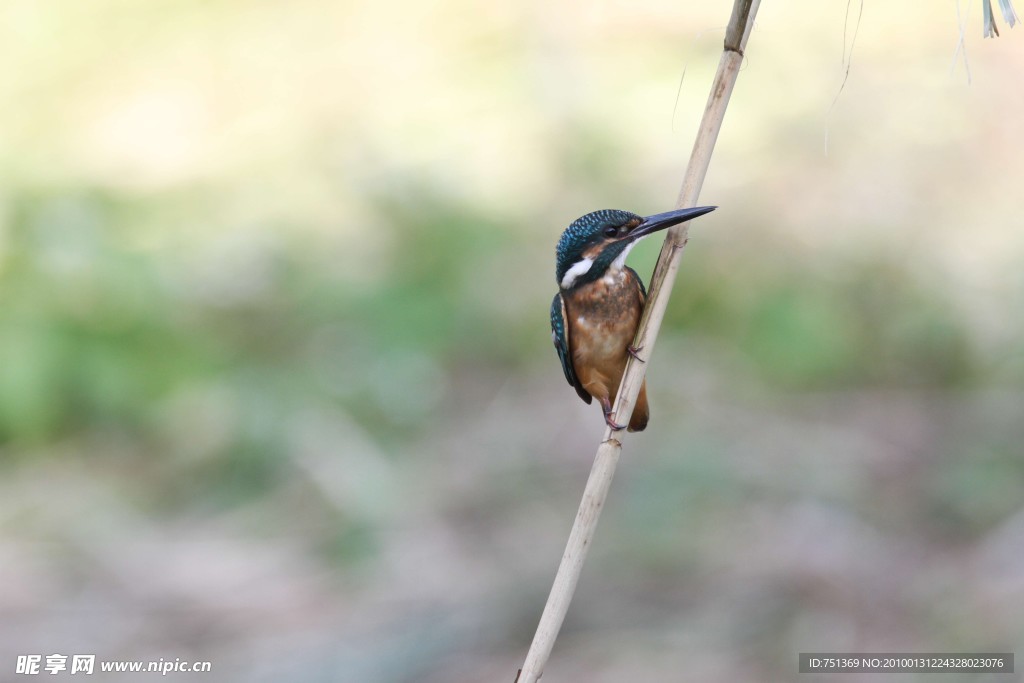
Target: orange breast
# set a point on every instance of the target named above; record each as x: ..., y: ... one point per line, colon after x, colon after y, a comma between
x: 602, y: 318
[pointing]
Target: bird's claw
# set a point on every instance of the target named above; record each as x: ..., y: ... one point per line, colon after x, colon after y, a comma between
x: 635, y: 352
x: 616, y: 427
x: 606, y: 407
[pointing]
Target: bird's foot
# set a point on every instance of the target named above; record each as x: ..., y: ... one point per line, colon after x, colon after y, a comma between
x: 635, y: 352
x: 607, y: 407
x: 611, y: 423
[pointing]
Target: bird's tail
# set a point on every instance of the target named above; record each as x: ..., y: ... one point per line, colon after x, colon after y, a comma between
x: 642, y: 412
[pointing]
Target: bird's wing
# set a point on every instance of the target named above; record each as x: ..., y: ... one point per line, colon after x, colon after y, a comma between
x: 640, y: 284
x: 560, y: 336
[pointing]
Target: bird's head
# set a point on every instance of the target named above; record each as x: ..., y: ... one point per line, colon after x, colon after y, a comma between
x: 601, y: 240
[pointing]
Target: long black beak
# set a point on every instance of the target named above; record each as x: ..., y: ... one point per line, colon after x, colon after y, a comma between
x: 660, y: 221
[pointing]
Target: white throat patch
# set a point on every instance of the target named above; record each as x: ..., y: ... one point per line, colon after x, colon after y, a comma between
x: 581, y: 267
x: 620, y: 260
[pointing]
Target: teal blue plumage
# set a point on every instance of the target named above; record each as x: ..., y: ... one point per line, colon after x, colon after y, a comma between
x: 560, y: 336
x: 582, y: 232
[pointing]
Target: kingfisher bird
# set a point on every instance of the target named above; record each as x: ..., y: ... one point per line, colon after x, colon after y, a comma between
x: 595, y: 315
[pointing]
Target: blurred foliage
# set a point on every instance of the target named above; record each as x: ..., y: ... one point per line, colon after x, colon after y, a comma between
x: 104, y: 331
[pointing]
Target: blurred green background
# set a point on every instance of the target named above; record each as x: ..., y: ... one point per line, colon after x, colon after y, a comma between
x: 276, y: 382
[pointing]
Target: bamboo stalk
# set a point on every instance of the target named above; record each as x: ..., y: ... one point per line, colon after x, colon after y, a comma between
x: 607, y: 457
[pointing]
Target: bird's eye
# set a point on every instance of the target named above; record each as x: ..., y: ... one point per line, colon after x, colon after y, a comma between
x: 611, y: 231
